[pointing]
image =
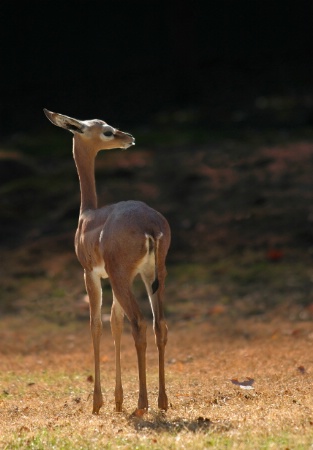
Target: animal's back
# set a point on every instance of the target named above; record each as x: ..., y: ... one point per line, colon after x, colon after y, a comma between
x: 125, y: 231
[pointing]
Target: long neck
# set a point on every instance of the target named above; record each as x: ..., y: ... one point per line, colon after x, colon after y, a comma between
x: 85, y: 163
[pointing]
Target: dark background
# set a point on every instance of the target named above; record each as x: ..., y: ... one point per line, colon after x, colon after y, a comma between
x: 127, y: 61
x: 219, y: 96
x: 184, y: 77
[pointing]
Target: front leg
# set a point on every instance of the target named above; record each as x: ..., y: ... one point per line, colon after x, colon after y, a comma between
x: 93, y: 287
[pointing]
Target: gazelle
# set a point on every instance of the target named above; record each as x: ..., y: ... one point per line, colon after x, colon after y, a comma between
x: 118, y: 242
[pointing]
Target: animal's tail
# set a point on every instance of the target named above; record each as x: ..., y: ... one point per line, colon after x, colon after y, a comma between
x: 154, y: 248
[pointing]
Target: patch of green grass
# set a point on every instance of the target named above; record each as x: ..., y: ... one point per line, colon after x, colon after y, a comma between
x: 194, y: 272
x: 257, y: 284
x: 241, y: 272
x: 47, y: 439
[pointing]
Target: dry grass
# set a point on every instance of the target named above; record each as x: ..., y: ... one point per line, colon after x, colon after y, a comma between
x: 46, y: 400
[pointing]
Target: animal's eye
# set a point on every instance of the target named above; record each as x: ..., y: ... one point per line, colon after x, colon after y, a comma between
x: 108, y: 133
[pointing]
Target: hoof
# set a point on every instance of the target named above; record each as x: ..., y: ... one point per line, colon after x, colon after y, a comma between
x: 139, y: 412
x: 118, y: 407
x: 96, y: 408
x: 163, y: 403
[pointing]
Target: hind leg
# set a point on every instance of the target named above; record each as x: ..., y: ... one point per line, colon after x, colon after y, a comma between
x: 160, y: 330
x: 128, y: 303
x: 117, y: 317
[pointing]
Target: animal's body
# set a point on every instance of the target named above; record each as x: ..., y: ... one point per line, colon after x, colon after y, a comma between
x: 118, y: 242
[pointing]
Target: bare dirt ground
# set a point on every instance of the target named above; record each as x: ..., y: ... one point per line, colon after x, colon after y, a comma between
x: 46, y: 389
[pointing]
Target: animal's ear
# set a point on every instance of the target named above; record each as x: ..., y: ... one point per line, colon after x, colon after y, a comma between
x: 68, y: 123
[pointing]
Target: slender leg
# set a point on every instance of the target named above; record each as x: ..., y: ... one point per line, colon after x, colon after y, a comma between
x: 93, y: 287
x: 117, y: 317
x: 128, y: 303
x: 160, y: 331
x: 139, y: 329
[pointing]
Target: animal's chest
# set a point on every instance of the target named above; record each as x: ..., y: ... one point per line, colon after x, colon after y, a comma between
x: 87, y: 248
